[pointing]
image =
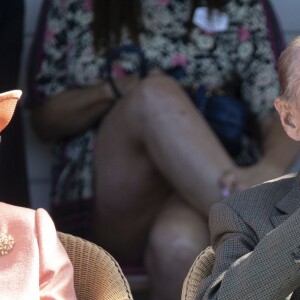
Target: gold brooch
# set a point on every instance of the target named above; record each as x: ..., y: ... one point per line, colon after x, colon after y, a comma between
x: 7, y: 243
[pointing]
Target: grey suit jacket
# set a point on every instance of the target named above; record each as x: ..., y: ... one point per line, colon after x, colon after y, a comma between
x: 256, y: 238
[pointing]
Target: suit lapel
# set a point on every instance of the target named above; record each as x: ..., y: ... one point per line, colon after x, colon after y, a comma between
x: 287, y: 205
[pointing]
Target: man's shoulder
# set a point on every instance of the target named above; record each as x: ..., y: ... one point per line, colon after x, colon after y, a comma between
x: 262, y: 196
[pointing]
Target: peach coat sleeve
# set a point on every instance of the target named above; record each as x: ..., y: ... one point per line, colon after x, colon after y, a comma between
x: 56, y: 271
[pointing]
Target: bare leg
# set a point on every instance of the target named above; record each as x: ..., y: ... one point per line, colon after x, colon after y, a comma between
x: 181, y: 144
x: 177, y: 237
x: 151, y: 143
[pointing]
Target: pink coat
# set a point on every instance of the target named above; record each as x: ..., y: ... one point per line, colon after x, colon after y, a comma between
x: 37, y: 266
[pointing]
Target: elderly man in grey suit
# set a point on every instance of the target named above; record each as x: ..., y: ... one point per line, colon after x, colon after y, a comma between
x: 256, y: 233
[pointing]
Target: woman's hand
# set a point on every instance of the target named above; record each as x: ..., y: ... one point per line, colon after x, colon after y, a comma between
x: 126, y: 84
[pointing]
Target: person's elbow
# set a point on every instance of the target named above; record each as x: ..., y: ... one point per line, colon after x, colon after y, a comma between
x: 44, y: 124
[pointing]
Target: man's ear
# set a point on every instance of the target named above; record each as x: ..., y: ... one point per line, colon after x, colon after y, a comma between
x: 287, y: 114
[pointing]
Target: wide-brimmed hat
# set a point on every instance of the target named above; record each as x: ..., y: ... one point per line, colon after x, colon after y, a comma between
x: 8, y: 102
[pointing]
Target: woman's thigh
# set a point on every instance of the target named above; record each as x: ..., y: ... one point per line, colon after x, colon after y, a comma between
x: 129, y: 188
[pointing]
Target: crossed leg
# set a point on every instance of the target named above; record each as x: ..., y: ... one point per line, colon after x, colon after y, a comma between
x: 177, y: 236
x: 154, y: 147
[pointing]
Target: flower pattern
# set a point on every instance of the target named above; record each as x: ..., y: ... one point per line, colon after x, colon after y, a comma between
x: 179, y: 60
x: 244, y: 34
x: 212, y: 59
x: 163, y: 2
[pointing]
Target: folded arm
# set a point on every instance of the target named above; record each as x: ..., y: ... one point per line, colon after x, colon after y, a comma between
x: 246, y: 268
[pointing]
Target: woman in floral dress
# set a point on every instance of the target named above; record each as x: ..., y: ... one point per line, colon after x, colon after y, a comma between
x: 141, y: 172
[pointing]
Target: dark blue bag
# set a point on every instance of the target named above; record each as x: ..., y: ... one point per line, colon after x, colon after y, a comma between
x: 227, y: 115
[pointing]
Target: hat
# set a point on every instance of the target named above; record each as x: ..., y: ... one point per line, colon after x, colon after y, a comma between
x: 8, y: 102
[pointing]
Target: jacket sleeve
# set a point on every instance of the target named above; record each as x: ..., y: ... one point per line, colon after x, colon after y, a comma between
x: 249, y: 269
x: 56, y: 270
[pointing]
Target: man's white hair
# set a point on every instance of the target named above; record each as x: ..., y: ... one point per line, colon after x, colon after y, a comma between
x: 289, y: 71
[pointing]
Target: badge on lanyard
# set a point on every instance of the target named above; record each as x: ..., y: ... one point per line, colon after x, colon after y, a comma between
x: 216, y: 21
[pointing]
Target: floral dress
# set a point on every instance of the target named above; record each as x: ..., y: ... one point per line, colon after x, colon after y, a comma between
x: 212, y: 57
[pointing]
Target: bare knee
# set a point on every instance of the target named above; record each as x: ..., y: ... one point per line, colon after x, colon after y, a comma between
x: 170, y: 253
x: 153, y: 97
x: 165, y: 247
